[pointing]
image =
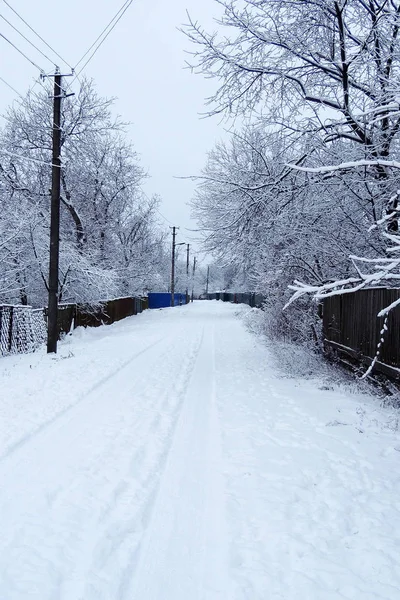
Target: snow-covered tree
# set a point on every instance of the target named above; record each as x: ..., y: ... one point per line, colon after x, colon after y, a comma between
x: 330, y: 66
x: 320, y: 81
x: 109, y: 235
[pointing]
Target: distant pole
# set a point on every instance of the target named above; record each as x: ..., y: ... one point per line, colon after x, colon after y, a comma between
x: 187, y: 272
x: 194, y: 270
x: 208, y: 278
x: 173, y: 267
x: 52, y: 329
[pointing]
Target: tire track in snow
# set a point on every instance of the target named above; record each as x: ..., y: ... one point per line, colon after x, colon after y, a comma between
x: 183, y: 552
x: 44, y: 426
x: 85, y: 475
x: 119, y: 543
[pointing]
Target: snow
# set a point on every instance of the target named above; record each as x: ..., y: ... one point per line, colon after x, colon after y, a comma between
x: 166, y: 457
x: 346, y: 165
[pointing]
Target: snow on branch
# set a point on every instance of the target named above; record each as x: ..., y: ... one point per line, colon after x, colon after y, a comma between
x: 384, y: 271
x: 346, y: 165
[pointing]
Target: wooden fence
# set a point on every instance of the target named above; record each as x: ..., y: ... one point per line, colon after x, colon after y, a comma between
x: 105, y: 313
x: 351, y: 327
x: 23, y: 329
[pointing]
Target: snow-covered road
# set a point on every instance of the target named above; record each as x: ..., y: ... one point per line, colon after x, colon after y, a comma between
x: 166, y: 458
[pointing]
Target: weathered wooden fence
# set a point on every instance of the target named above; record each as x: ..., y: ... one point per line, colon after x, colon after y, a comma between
x: 105, y: 313
x: 351, y: 327
x: 23, y: 329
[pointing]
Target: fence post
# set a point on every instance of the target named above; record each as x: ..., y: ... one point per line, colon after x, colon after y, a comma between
x: 10, y: 328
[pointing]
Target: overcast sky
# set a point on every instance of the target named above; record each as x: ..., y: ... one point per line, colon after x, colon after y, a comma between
x: 142, y: 64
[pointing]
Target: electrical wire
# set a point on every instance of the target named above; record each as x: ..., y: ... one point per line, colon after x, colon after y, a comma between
x: 11, y: 87
x: 22, y: 53
x: 165, y: 218
x: 107, y: 30
x: 124, y: 7
x: 26, y: 39
x: 22, y: 102
x: 156, y: 209
x: 35, y: 160
x: 36, y: 33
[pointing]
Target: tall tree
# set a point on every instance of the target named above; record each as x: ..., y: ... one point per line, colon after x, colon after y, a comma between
x: 105, y: 218
x: 322, y: 76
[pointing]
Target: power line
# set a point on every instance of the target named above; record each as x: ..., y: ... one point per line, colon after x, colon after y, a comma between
x: 35, y: 160
x: 22, y: 101
x: 156, y: 209
x: 25, y: 38
x: 20, y: 51
x: 36, y: 33
x: 22, y: 104
x: 126, y: 4
x: 103, y: 40
x: 11, y: 87
x: 110, y: 27
x: 165, y: 218
x: 39, y: 80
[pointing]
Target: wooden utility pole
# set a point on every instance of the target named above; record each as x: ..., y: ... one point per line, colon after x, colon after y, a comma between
x: 193, y: 272
x: 173, y: 267
x: 187, y: 272
x: 208, y: 278
x: 52, y: 328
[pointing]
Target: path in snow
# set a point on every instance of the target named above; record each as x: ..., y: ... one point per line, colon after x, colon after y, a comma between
x: 165, y: 459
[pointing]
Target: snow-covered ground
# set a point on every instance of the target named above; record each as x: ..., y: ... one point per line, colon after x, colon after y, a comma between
x: 166, y: 458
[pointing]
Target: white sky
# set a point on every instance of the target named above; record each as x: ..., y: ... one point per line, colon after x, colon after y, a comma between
x: 142, y: 64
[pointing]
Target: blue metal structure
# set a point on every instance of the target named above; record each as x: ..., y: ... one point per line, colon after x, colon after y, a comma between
x: 163, y: 299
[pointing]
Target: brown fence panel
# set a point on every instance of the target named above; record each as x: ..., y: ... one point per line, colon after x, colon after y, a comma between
x: 391, y: 346
x: 350, y: 321
x: 66, y: 318
x: 106, y: 312
x: 259, y: 299
x: 140, y: 305
x: 120, y: 309
x: 88, y: 316
x: 23, y: 329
